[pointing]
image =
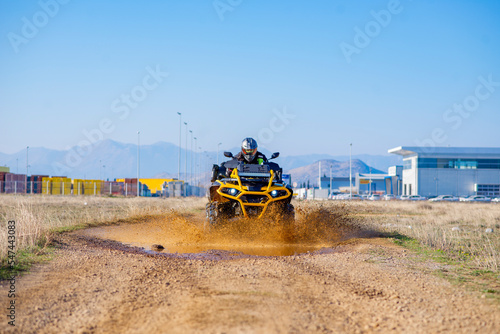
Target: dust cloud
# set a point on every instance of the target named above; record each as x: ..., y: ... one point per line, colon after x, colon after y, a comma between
x: 313, y: 228
x: 180, y: 232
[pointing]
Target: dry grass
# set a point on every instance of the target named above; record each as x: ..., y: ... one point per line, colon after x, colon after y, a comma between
x: 37, y: 216
x: 458, y: 230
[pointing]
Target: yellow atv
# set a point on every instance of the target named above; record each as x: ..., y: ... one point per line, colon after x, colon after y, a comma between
x: 248, y: 190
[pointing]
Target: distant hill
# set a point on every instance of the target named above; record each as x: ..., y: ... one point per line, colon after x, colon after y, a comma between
x: 381, y: 162
x: 339, y: 168
x: 111, y: 159
x: 106, y: 159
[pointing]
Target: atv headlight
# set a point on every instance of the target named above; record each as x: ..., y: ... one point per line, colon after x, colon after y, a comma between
x: 278, y: 193
x: 230, y: 191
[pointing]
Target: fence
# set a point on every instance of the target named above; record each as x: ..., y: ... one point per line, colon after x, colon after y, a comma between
x: 94, y: 188
x: 69, y: 188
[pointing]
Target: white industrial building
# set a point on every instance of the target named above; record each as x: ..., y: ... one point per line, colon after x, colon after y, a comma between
x: 458, y: 171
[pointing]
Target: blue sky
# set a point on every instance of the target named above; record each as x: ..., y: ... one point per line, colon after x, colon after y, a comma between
x: 235, y: 68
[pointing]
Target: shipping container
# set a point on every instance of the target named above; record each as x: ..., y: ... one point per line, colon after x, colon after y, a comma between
x: 56, y: 186
x: 15, y: 183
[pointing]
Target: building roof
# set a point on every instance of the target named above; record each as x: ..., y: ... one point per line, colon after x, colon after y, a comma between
x: 373, y: 177
x: 489, y: 152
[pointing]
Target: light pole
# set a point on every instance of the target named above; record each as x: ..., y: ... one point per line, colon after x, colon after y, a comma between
x: 436, y: 179
x: 331, y: 179
x: 370, y: 182
x: 195, y: 175
x: 218, y: 146
x: 17, y: 165
x: 138, y: 163
x: 206, y: 164
x: 350, y: 171
x: 200, y: 180
x: 191, y: 159
x: 180, y: 130
x: 27, y: 166
x: 186, y: 154
x: 319, y: 174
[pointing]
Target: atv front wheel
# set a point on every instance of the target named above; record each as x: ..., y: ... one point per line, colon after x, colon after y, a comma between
x: 216, y: 214
x: 212, y: 215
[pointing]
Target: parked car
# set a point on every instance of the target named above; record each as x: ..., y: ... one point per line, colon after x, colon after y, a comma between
x: 389, y: 197
x: 496, y: 199
x: 374, y: 197
x: 476, y: 198
x: 416, y: 198
x: 340, y: 196
x: 444, y: 198
x: 348, y: 196
x: 403, y: 197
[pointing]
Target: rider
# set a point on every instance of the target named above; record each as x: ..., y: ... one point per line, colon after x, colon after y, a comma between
x: 249, y: 153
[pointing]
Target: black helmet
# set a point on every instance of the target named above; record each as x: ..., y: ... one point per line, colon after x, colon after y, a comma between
x: 249, y: 148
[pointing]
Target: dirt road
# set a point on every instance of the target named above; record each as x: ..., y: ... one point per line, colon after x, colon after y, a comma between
x: 361, y: 285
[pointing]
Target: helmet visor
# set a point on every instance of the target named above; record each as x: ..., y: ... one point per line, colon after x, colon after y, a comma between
x: 250, y: 151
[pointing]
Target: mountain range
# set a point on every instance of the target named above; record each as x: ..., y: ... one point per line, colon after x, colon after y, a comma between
x: 109, y: 159
x: 339, y: 168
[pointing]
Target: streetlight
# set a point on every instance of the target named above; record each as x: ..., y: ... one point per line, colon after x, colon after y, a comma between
x: 191, y: 159
x: 138, y: 162
x: 350, y: 171
x: 331, y: 179
x: 207, y: 159
x: 218, y: 146
x: 370, y: 192
x: 199, y: 167
x: 436, y: 179
x: 180, y: 130
x: 195, y: 175
x: 186, y: 154
x: 27, y: 167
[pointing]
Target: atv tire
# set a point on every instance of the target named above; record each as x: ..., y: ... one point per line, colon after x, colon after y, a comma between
x: 216, y: 214
x: 213, y: 216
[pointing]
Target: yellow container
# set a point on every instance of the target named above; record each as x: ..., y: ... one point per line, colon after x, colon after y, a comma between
x: 154, y: 185
x: 46, y: 186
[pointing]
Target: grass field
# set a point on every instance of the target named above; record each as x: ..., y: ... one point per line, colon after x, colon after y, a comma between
x: 38, y: 217
x: 458, y: 231
x: 464, y: 232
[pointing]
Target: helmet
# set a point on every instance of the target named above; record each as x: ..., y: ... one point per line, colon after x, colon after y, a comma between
x: 249, y: 148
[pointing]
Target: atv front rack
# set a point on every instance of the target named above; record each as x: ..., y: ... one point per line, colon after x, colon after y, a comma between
x: 249, y: 197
